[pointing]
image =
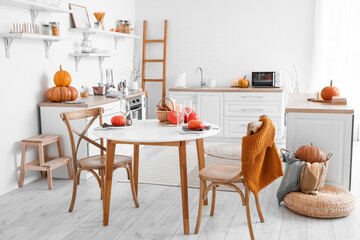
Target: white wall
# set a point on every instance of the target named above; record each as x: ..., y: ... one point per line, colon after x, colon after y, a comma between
x: 228, y: 39
x: 28, y: 74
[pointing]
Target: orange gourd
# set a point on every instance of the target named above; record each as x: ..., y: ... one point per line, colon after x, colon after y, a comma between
x: 311, y: 154
x: 243, y: 83
x: 58, y: 94
x: 327, y: 93
x: 62, y: 78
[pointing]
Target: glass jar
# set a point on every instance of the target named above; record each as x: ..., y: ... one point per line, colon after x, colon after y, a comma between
x: 46, y: 29
x: 55, y: 28
x: 97, y: 25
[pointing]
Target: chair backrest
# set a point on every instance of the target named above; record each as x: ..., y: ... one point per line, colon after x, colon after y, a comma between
x: 68, y: 116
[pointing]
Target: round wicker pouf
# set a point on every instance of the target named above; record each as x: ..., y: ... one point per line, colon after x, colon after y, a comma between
x: 330, y: 202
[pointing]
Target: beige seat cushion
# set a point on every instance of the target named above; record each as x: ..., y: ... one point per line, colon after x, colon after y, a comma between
x: 222, y: 173
x: 98, y: 161
x: 330, y: 202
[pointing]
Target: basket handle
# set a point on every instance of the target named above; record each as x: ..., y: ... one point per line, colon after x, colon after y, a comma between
x: 284, y: 150
x: 169, y: 101
x: 329, y: 156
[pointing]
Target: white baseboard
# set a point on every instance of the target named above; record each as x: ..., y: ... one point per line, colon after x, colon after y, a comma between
x: 30, y: 176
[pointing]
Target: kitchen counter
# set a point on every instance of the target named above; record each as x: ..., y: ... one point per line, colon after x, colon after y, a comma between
x: 327, y: 126
x: 299, y: 103
x: 226, y: 89
x: 90, y: 101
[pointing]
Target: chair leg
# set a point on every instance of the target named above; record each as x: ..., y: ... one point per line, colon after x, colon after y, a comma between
x: 213, y: 201
x: 201, y: 203
x: 75, y: 180
x: 102, y: 181
x: 70, y: 173
x: 259, y: 209
x: 132, y: 185
x: 22, y: 167
x: 247, y: 203
x: 49, y: 178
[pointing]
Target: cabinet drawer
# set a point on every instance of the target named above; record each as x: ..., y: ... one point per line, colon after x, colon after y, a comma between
x: 109, y: 108
x: 254, y: 96
x: 237, y: 126
x: 252, y: 109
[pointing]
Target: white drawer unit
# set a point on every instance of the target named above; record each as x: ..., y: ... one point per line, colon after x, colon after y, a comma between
x: 240, y: 109
x: 233, y: 109
x: 237, y: 126
x: 253, y: 96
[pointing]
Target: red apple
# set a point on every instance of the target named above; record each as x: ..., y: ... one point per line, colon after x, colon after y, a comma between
x: 118, y: 120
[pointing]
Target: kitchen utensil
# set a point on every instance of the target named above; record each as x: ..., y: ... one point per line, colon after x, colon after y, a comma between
x: 100, y: 90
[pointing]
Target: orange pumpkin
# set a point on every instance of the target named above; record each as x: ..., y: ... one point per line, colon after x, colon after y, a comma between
x: 311, y: 154
x: 327, y: 93
x: 62, y: 78
x: 58, y: 94
x: 243, y: 83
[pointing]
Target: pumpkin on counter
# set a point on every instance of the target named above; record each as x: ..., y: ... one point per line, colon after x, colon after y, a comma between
x: 311, y: 154
x: 58, y: 94
x: 243, y: 83
x: 62, y: 78
x: 327, y: 93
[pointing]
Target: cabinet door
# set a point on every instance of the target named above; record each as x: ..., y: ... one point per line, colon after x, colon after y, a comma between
x: 209, y: 106
x: 180, y: 97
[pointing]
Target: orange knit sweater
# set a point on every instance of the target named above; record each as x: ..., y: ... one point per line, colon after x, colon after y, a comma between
x: 261, y: 163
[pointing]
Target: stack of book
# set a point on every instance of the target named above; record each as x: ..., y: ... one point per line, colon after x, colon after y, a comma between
x: 339, y: 100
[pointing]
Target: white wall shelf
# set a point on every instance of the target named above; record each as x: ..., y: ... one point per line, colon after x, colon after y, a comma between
x: 100, y: 56
x: 34, y: 7
x: 117, y: 36
x: 48, y: 40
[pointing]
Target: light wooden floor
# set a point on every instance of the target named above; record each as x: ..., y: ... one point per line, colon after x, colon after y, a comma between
x: 34, y: 212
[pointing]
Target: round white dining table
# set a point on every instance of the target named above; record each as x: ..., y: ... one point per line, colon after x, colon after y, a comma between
x: 150, y: 132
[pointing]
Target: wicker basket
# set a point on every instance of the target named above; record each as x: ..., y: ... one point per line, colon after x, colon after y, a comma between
x: 162, y: 115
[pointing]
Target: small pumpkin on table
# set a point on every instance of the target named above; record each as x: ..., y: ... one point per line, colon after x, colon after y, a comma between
x: 62, y: 91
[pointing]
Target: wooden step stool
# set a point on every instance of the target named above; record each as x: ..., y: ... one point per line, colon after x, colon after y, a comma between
x: 43, y: 163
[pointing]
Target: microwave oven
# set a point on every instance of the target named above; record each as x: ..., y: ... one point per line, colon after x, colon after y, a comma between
x: 265, y: 79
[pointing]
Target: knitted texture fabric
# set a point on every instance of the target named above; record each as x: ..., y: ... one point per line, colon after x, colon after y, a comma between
x: 291, y: 181
x: 261, y: 163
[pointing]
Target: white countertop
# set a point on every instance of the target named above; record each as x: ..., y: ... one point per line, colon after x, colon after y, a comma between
x: 225, y: 89
x: 151, y: 131
x: 299, y: 103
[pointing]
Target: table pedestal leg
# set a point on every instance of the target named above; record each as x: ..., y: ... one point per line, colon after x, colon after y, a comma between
x: 201, y: 159
x: 184, y: 186
x: 109, y: 167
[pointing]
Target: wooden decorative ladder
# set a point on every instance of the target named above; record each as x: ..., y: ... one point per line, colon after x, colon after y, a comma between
x: 163, y: 60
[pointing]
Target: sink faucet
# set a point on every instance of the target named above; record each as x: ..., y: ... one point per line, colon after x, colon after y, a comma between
x: 202, y: 83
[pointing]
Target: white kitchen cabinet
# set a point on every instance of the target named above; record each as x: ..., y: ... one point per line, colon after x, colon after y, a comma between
x: 181, y: 97
x: 232, y: 109
x: 209, y: 106
x: 329, y: 127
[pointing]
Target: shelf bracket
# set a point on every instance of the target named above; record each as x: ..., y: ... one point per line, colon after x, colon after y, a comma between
x: 7, y: 43
x: 116, y: 42
x: 77, y: 60
x: 86, y: 36
x: 101, y: 60
x: 34, y: 14
x: 47, y: 47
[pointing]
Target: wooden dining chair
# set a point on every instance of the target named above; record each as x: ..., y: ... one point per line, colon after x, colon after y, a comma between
x: 96, y: 162
x: 227, y: 174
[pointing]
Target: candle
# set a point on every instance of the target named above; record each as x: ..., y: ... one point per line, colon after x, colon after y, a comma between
x: 178, y: 107
x: 234, y: 82
x: 172, y: 106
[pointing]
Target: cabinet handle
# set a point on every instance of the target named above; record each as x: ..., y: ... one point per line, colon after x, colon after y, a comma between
x: 251, y: 96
